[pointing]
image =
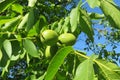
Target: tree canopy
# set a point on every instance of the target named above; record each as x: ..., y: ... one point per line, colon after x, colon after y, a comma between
x: 38, y: 38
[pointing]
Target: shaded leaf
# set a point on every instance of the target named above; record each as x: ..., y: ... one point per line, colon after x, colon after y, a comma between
x: 30, y: 21
x: 8, y: 47
x: 61, y: 76
x: 42, y: 77
x: 57, y: 61
x: 1, y: 42
x: 85, y: 71
x: 30, y: 48
x: 71, y: 59
x: 15, y: 47
x: 4, y: 58
x: 75, y: 61
x: 5, y: 4
x: 37, y: 27
x: 86, y: 25
x: 42, y: 24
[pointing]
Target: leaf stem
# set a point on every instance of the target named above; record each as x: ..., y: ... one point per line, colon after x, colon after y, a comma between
x: 78, y: 53
x: 5, y: 69
x: 100, y: 64
x: 7, y: 32
x: 82, y: 3
x: 22, y: 38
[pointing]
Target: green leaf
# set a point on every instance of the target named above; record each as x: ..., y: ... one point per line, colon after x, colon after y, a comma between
x: 60, y: 24
x: 54, y: 25
x: 5, y: 4
x: 8, y: 47
x: 28, y: 59
x: 108, y: 69
x: 16, y: 48
x: 30, y: 21
x: 12, y: 23
x: 3, y: 21
x: 93, y: 3
x: 66, y: 25
x: 37, y: 27
x: 18, y: 8
x: 32, y: 32
x: 74, y: 18
x: 30, y: 48
x: 42, y: 77
x: 33, y: 77
x: 43, y: 20
x: 4, y: 58
x: 23, y: 22
x: 5, y: 69
x: 14, y: 58
x: 1, y: 42
x: 31, y: 3
x: 1, y: 54
x: 22, y: 54
x: 4, y: 17
x: 71, y: 59
x: 85, y: 71
x: 75, y: 61
x: 112, y: 13
x: 57, y: 61
x: 96, y: 16
x: 86, y: 25
x: 41, y: 24
x: 61, y: 76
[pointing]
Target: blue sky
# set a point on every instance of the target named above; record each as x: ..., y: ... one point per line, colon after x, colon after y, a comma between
x: 80, y: 44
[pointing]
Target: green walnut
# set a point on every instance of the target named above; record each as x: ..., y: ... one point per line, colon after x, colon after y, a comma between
x: 49, y: 37
x: 50, y: 51
x: 67, y: 39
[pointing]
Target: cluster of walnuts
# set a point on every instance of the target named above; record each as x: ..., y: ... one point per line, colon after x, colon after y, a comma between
x: 53, y: 40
